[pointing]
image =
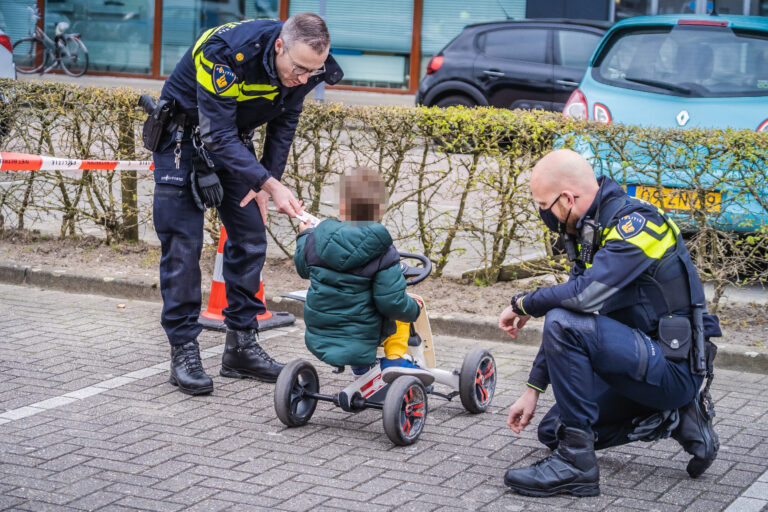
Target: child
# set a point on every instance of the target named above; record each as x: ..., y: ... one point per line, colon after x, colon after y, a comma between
x: 357, y: 294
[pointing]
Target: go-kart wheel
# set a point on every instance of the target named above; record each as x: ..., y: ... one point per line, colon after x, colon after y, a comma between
x: 292, y: 407
x: 405, y: 410
x: 477, y: 380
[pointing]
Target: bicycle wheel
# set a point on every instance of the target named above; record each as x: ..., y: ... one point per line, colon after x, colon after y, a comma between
x: 74, y: 57
x: 29, y: 55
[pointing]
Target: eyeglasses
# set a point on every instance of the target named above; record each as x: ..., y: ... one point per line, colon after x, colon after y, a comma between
x: 301, y: 70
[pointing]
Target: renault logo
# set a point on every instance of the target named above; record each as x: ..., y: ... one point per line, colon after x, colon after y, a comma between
x: 682, y: 118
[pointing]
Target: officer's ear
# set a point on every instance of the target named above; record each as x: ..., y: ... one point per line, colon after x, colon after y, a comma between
x: 279, y: 46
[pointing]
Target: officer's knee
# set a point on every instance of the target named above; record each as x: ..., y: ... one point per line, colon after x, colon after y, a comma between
x: 557, y: 320
x: 561, y: 326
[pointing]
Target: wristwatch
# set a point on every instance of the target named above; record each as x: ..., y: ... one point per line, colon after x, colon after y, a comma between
x: 517, y: 304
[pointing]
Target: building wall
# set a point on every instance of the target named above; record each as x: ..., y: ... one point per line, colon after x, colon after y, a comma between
x: 572, y: 9
x: 383, y: 45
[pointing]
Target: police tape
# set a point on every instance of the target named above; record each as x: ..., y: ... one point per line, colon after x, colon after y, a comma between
x: 25, y: 162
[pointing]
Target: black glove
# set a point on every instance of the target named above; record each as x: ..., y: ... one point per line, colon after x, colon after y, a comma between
x: 656, y: 426
x: 206, y: 187
x: 207, y: 191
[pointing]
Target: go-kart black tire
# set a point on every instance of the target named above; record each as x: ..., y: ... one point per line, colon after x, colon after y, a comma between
x: 405, y: 410
x: 477, y: 380
x: 291, y: 408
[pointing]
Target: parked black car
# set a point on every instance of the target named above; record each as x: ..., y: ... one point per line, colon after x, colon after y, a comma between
x: 512, y: 64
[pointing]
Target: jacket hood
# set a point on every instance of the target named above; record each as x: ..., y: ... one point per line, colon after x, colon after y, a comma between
x: 345, y: 246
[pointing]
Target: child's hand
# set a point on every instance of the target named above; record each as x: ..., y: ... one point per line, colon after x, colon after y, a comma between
x: 304, y: 225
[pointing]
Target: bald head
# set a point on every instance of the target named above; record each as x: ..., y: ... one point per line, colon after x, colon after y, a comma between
x: 564, y: 179
x: 563, y: 169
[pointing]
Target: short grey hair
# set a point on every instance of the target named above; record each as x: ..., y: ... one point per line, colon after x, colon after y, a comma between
x: 306, y: 28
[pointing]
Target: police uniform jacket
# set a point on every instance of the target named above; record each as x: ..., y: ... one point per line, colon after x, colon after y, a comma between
x: 356, y: 292
x: 227, y: 82
x: 638, y: 274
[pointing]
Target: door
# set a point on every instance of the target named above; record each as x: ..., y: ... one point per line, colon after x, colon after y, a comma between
x: 573, y: 49
x: 514, y: 68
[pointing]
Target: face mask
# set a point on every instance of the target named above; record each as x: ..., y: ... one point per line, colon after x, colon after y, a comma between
x: 550, y: 219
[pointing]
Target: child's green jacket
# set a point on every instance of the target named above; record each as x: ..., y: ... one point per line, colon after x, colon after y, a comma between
x: 356, y: 292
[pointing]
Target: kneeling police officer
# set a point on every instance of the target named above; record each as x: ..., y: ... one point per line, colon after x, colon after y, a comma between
x: 234, y: 78
x: 635, y: 370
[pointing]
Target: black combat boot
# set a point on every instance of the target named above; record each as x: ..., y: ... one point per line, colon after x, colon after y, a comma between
x: 697, y: 434
x: 570, y: 469
x: 187, y: 370
x: 244, y: 358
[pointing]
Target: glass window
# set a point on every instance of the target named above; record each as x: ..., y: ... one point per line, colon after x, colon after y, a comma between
x: 118, y: 33
x: 686, y: 61
x: 16, y: 18
x: 185, y: 20
x: 758, y: 8
x: 629, y: 8
x: 371, y: 40
x: 528, y: 44
x: 442, y: 20
x: 262, y: 9
x: 574, y: 48
x: 727, y: 6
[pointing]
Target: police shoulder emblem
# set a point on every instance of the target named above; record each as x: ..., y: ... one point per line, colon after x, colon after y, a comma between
x: 223, y: 78
x: 630, y: 225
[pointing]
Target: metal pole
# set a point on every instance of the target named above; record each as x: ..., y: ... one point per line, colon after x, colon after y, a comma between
x: 320, y: 89
x: 612, y: 11
x: 747, y: 6
x: 654, y: 7
x: 701, y: 7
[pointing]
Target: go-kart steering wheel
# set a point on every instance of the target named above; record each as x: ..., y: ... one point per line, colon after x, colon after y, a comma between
x: 412, y: 274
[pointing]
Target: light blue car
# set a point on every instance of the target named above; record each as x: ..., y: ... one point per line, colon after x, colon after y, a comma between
x: 682, y: 71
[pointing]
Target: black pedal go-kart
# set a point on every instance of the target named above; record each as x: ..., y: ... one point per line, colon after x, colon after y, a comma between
x: 403, y: 402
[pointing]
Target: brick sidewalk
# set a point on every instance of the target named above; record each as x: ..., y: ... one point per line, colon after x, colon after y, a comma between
x: 89, y: 422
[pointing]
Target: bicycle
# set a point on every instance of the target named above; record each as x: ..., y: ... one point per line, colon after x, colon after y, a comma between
x: 38, y: 52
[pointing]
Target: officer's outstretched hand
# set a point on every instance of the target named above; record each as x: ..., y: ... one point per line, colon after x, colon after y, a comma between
x: 284, y: 200
x: 510, y: 322
x: 521, y: 412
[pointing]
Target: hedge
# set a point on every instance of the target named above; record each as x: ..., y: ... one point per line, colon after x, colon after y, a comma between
x: 456, y: 177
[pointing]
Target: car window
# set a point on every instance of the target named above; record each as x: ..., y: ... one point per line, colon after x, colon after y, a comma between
x: 687, y: 61
x: 528, y: 44
x: 574, y: 47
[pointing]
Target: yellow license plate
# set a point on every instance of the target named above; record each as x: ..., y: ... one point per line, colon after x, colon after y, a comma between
x: 679, y: 198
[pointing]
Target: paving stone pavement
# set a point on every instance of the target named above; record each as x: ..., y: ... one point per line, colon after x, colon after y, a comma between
x: 88, y: 421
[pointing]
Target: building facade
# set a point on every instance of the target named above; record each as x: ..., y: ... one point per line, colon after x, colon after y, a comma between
x: 381, y: 45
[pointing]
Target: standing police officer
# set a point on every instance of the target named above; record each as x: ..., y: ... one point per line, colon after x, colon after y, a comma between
x: 626, y: 373
x: 234, y: 78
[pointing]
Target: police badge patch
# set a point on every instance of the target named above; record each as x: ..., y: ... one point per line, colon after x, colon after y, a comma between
x: 630, y: 225
x: 223, y: 78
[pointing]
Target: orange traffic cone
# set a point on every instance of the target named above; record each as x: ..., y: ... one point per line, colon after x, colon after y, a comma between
x: 213, y: 317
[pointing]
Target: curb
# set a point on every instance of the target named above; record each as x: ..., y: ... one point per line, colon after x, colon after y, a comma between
x: 730, y: 357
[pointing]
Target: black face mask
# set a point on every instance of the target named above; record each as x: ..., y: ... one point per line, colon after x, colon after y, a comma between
x: 550, y: 219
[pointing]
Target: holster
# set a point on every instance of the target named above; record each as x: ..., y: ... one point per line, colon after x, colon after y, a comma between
x: 156, y: 124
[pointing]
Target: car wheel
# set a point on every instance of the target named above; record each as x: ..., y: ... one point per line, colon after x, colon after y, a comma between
x: 456, y: 100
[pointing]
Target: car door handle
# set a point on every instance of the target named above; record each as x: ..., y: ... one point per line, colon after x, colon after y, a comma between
x: 567, y: 83
x: 492, y: 72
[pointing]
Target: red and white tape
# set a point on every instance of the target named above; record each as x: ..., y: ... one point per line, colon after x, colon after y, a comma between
x: 24, y: 162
